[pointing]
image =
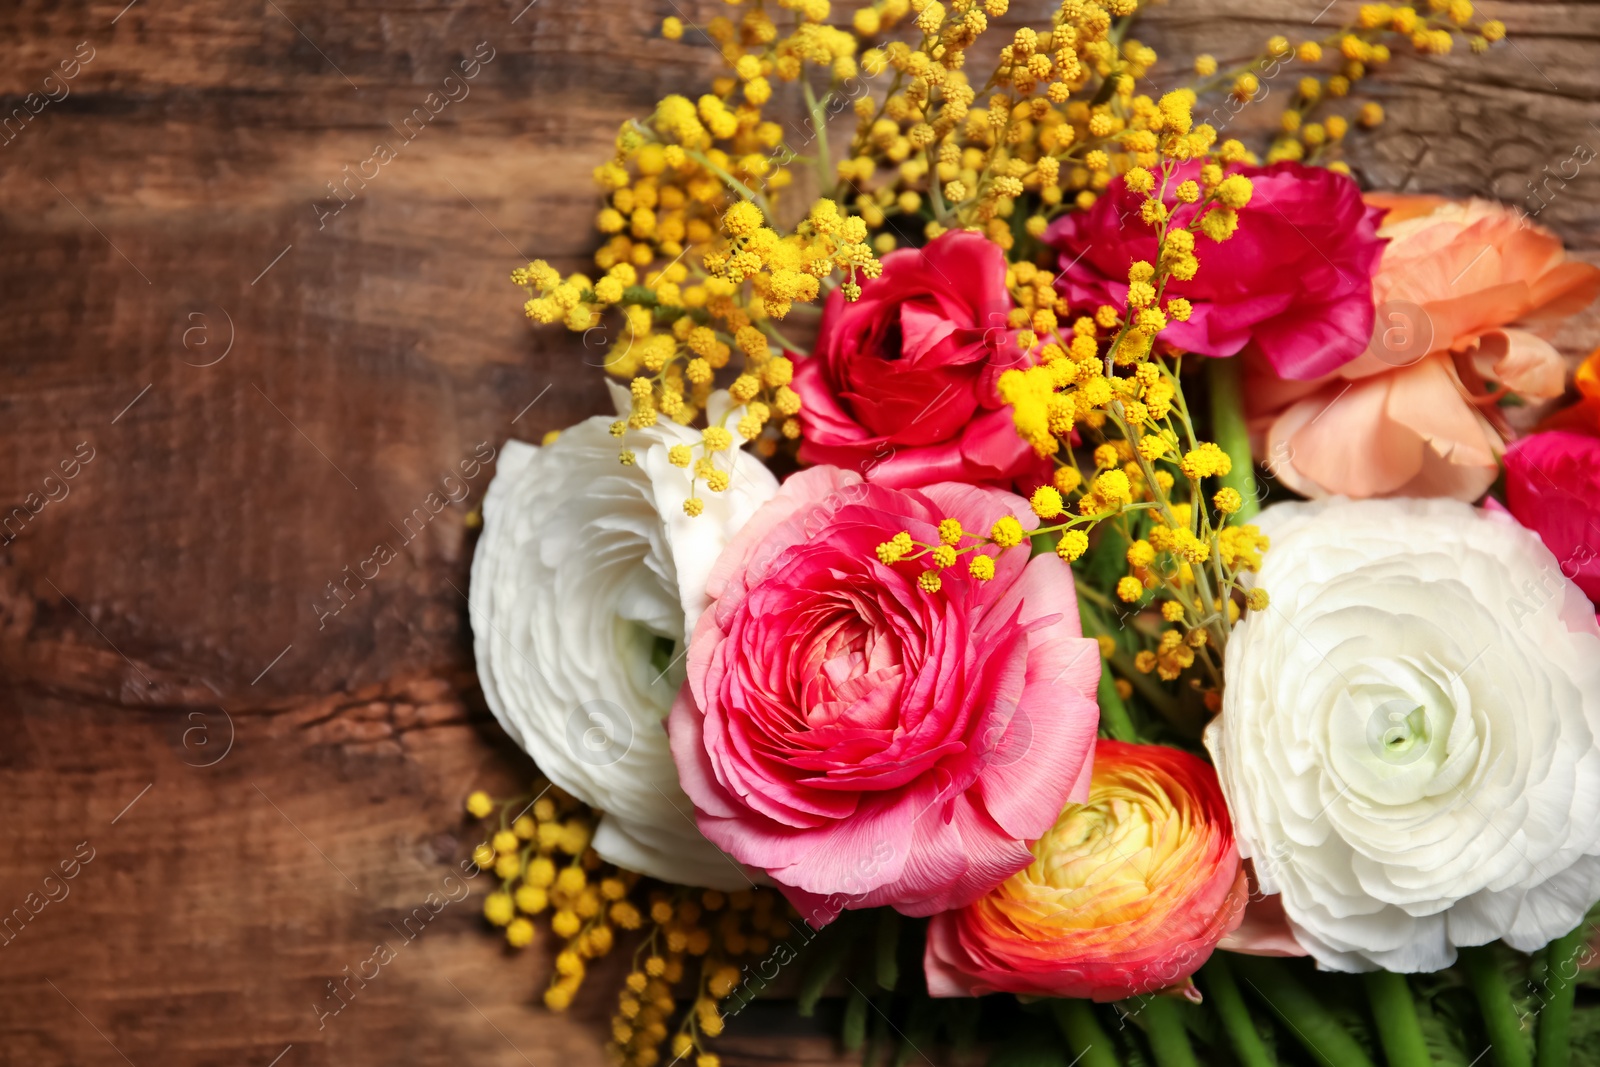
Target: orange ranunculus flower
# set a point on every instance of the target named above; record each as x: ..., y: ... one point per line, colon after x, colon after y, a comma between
x: 1463, y: 291
x: 1127, y: 893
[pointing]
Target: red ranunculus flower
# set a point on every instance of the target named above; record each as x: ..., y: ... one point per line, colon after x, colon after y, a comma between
x: 901, y: 385
x: 1295, y: 278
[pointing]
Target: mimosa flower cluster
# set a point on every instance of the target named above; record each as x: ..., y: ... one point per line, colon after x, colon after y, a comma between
x: 939, y: 562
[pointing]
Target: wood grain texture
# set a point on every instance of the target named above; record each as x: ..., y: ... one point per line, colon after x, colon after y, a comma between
x: 173, y: 207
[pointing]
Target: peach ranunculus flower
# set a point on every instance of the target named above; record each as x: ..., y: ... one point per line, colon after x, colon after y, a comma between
x: 1463, y: 292
x: 1127, y: 894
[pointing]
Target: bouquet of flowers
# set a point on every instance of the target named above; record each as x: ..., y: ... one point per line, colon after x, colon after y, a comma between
x: 1042, y: 548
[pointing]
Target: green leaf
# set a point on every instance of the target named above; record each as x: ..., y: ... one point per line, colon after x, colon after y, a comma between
x: 1114, y: 719
x: 1354, y: 1018
x: 1585, y: 1036
x: 1106, y: 561
x: 1307, y: 1013
x: 1444, y: 1039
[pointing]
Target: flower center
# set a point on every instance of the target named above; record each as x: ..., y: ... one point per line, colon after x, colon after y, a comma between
x: 1404, y: 733
x: 893, y: 340
x: 662, y: 652
x: 1113, y: 840
x: 1390, y: 732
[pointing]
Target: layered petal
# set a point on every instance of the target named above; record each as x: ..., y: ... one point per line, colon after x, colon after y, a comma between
x: 1408, y: 737
x: 1126, y: 894
x: 900, y: 387
x: 1465, y: 293
x: 1294, y: 282
x: 585, y: 583
x: 1553, y: 488
x: 866, y: 742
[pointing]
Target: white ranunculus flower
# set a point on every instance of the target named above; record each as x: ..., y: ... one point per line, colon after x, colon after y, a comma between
x: 585, y: 582
x: 1408, y: 735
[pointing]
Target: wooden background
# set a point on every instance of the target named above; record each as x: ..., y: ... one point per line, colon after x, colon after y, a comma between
x: 262, y: 793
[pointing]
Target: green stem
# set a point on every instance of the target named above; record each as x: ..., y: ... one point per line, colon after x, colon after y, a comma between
x: 853, y: 1034
x: 888, y: 946
x: 1153, y: 693
x: 1329, y: 1043
x: 1494, y: 1003
x: 1147, y: 686
x: 1560, y: 979
x: 1085, y: 1039
x: 819, y: 126
x: 1396, y: 1015
x: 1091, y: 594
x: 1235, y: 1015
x: 783, y: 342
x: 735, y: 184
x: 1114, y: 718
x: 1169, y: 1045
x: 1227, y: 426
x: 1555, y: 1021
x: 935, y: 192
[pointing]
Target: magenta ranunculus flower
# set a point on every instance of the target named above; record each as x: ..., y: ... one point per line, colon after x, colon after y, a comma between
x: 865, y: 742
x: 900, y: 387
x: 1295, y: 279
x: 1553, y: 488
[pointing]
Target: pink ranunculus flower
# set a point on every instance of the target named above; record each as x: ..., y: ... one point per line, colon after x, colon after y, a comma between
x: 1294, y: 281
x: 1553, y: 488
x: 1463, y: 292
x: 900, y: 387
x: 865, y: 742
